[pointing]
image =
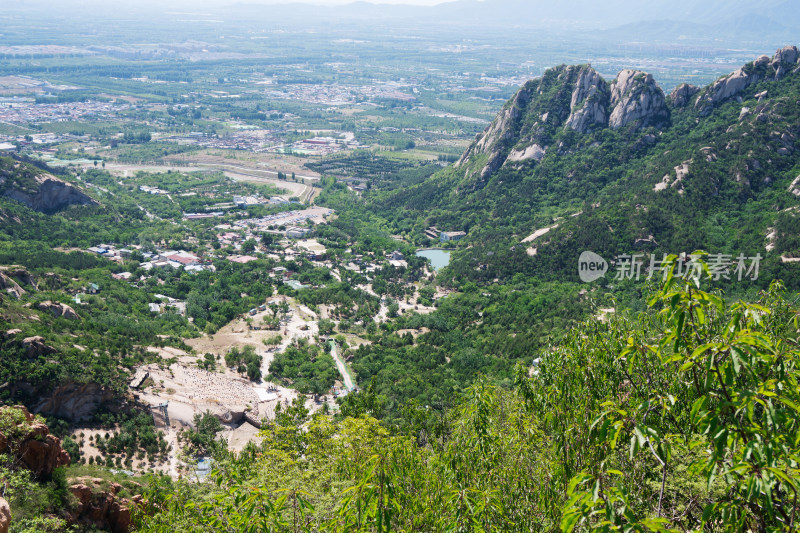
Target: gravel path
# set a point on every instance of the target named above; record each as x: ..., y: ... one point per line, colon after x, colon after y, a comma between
x: 348, y: 381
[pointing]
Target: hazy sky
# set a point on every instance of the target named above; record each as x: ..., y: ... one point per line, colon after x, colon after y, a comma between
x: 321, y: 2
x: 335, y: 2
x: 339, y: 2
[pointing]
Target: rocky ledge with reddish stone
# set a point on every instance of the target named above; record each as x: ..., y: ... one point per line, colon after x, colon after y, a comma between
x: 101, y: 506
x: 32, y: 444
x: 5, y: 516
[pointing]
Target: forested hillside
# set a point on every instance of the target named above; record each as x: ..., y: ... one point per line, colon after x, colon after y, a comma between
x: 672, y: 408
x: 509, y: 395
x: 574, y: 163
x: 618, y: 168
x: 680, y: 418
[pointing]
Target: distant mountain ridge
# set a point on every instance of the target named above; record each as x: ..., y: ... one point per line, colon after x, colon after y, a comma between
x: 587, y: 13
x: 713, y: 15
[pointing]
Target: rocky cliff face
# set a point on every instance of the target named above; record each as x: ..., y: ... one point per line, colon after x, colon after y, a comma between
x: 785, y: 60
x: 573, y: 97
x: 565, y: 98
x: 589, y: 102
x: 38, y: 189
x: 499, y: 133
x: 637, y: 101
x: 10, y: 286
x: 74, y: 401
x: 31, y: 443
x: 101, y: 507
x: 52, y: 195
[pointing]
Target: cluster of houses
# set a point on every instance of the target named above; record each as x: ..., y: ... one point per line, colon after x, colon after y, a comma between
x: 152, y: 190
x: 111, y: 252
x: 287, y: 219
x: 176, y: 259
x: 322, y: 146
x: 251, y: 140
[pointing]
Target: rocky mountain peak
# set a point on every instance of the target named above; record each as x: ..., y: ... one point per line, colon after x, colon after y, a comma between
x: 577, y: 98
x: 589, y: 102
x: 785, y: 60
x: 637, y: 100
x: 682, y: 94
x: 499, y: 135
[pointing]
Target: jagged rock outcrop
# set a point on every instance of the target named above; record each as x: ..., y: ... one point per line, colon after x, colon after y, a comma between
x: 10, y: 286
x: 794, y: 187
x: 566, y: 96
x: 59, y: 310
x: 53, y: 195
x: 637, y: 100
x: 5, y: 516
x: 731, y: 85
x: 18, y: 275
x: 538, y: 119
x: 784, y: 60
x: 37, y: 189
x: 492, y: 141
x: 533, y: 151
x: 588, y: 105
x: 682, y: 94
x: 681, y: 171
x: 101, y: 507
x: 35, y: 346
x: 74, y: 401
x: 31, y: 443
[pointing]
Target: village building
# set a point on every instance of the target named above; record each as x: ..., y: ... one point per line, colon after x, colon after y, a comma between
x: 447, y: 236
x: 295, y: 232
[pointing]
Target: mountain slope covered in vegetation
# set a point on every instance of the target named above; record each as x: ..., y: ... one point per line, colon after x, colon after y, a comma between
x: 674, y: 410
x: 527, y: 400
x: 621, y: 170
x: 682, y: 418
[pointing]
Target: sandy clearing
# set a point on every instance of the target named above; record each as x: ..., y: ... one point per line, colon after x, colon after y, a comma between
x: 538, y: 233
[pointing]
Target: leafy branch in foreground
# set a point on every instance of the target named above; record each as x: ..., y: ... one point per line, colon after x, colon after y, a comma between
x: 724, y: 396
